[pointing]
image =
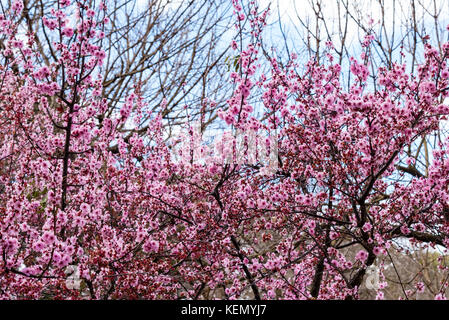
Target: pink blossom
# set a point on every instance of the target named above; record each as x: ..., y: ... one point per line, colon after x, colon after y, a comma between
x: 362, y: 255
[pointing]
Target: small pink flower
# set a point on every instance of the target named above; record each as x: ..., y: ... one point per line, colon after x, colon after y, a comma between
x: 333, y: 235
x: 405, y: 230
x: 85, y: 208
x: 48, y: 237
x: 151, y: 246
x: 420, y: 287
x: 17, y: 6
x: 43, y: 73
x: 420, y: 227
x: 68, y: 32
x: 90, y: 13
x: 362, y: 255
x: 367, y: 227
x: 377, y: 251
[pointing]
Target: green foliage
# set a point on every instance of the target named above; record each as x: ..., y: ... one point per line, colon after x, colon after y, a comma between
x: 233, y: 63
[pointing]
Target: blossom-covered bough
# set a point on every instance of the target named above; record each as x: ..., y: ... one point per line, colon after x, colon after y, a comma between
x: 87, y: 211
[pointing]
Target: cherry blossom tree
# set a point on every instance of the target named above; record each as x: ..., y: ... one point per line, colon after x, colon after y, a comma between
x: 80, y: 219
